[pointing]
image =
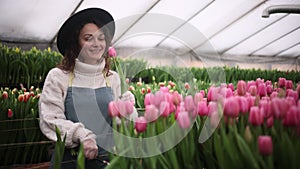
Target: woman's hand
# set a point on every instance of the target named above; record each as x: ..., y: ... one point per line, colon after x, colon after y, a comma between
x: 90, y: 148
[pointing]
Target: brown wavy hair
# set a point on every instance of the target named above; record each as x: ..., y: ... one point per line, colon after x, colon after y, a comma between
x: 73, y: 49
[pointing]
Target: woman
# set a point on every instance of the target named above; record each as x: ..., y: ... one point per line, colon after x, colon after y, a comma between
x: 76, y: 93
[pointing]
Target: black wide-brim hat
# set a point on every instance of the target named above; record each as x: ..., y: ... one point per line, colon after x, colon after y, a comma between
x: 77, y: 20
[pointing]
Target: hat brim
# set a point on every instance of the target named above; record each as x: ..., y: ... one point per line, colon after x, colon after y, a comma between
x: 80, y: 18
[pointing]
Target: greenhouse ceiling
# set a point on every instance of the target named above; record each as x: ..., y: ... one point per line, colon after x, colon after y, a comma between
x: 232, y: 29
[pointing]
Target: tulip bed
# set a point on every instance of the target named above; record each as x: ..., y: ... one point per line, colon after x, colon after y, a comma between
x: 253, y: 125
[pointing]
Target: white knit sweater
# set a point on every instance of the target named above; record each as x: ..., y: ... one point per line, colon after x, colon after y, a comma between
x: 51, y: 104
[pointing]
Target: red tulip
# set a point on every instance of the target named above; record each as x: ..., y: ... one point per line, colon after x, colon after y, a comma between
x: 10, y: 113
x: 148, y: 90
x: 265, y: 145
x: 183, y: 120
x: 231, y: 107
x: 255, y: 116
x: 143, y: 90
x: 187, y: 86
x: 112, y: 52
x: 140, y: 124
x: 202, y: 108
x: 21, y: 98
x: 241, y: 88
x: 5, y: 95
x: 281, y: 82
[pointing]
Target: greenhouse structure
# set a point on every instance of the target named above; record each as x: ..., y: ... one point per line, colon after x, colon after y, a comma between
x: 186, y: 84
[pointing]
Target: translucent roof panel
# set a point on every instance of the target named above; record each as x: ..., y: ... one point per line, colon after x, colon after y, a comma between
x: 33, y: 20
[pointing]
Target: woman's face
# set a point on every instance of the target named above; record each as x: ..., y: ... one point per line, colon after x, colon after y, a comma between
x: 92, y: 43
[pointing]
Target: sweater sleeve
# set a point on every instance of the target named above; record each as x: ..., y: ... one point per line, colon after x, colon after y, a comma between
x: 115, y: 84
x: 51, y: 111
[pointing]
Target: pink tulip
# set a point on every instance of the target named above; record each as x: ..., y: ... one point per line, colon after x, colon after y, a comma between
x: 243, y: 104
x: 265, y: 107
x: 212, y: 107
x: 289, y: 84
x: 255, y: 116
x: 252, y: 90
x: 113, y: 109
x: 262, y: 90
x: 230, y: 86
x: 298, y: 89
x: 292, y: 94
x: 202, y: 108
x: 250, y: 83
x: 151, y: 113
x: 140, y: 124
x: 158, y: 98
x: 251, y: 101
x: 164, y: 109
x: 270, y: 122
x: 269, y: 89
x: 202, y: 92
x: 177, y: 98
x: 231, y: 107
x: 278, y: 107
x: 259, y: 81
x: 10, y: 113
x: 265, y: 145
x: 281, y: 82
x: 229, y: 93
x: 112, y: 52
x: 5, y: 95
x: 268, y: 83
x: 189, y: 103
x: 164, y: 89
x: 128, y: 107
x: 290, y: 101
x: 241, y: 88
x: 183, y: 120
x: 292, y: 117
x: 147, y: 99
x: 214, y: 119
x: 274, y: 94
x: 198, y: 97
x: 213, y: 93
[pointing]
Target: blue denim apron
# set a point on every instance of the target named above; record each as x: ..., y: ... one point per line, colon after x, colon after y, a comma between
x: 90, y: 107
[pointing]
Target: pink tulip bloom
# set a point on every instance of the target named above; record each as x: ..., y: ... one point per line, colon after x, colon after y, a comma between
x: 255, y: 116
x: 215, y: 119
x: 202, y: 92
x: 278, y: 107
x: 265, y: 107
x: 231, y: 107
x: 252, y: 90
x: 198, y: 97
x: 281, y: 82
x: 158, y: 98
x: 164, y: 109
x: 183, y: 120
x: 229, y: 93
x: 213, y: 93
x: 262, y: 90
x: 140, y: 124
x: 292, y: 94
x: 128, y: 107
x: 177, y: 98
x: 274, y: 94
x: 243, y: 104
x: 251, y: 101
x: 269, y: 89
x: 250, y: 83
x: 113, y: 109
x: 112, y: 52
x: 289, y: 84
x: 268, y: 83
x: 151, y: 113
x: 290, y: 101
x: 298, y: 89
x: 230, y: 86
x: 241, y: 88
x: 270, y: 122
x: 164, y: 89
x: 265, y: 145
x: 147, y: 99
x: 10, y: 113
x: 189, y: 103
x: 202, y: 108
x: 212, y: 107
x: 292, y: 117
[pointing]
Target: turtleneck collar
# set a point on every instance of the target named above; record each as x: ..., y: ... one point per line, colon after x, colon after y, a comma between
x: 87, y: 69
